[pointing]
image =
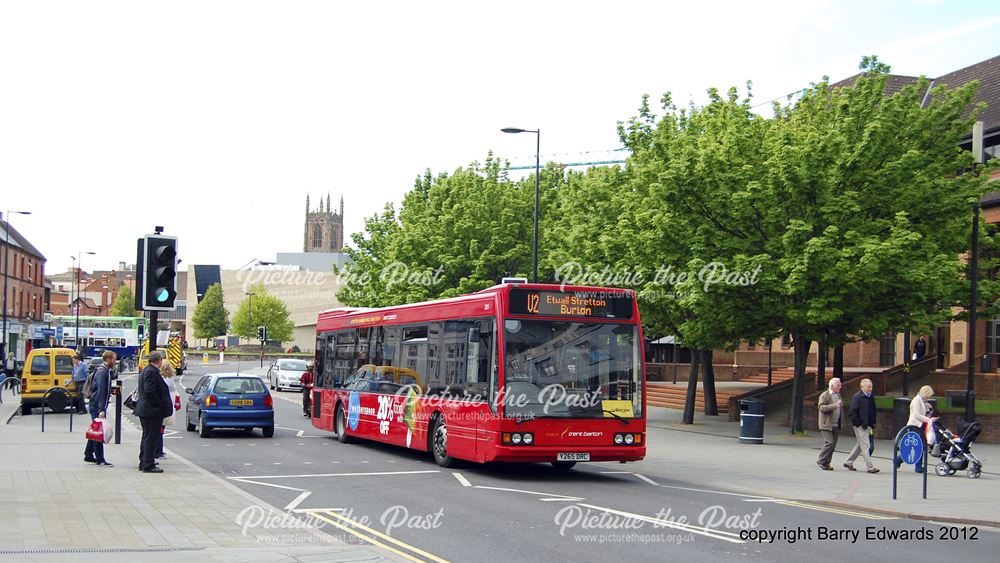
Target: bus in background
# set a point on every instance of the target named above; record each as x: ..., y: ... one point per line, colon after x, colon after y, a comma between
x: 514, y: 373
x: 121, y: 335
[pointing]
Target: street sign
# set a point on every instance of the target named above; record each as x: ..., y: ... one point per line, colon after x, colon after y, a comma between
x: 911, y: 448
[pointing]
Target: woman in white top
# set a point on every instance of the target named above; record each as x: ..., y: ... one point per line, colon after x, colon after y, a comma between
x: 168, y: 373
x: 920, y: 410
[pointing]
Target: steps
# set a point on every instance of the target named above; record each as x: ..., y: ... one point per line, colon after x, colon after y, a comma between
x: 673, y: 396
x: 777, y: 376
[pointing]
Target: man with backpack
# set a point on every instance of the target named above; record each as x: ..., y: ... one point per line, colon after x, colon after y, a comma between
x: 80, y: 377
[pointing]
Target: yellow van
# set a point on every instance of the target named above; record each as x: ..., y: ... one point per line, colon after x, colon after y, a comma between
x: 45, y: 368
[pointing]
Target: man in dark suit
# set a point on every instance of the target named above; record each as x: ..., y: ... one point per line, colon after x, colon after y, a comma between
x: 863, y: 421
x: 152, y: 406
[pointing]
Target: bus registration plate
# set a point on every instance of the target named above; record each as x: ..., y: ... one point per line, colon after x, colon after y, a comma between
x: 573, y: 456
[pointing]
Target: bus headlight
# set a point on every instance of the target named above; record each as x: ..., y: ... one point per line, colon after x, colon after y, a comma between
x: 619, y: 439
x: 516, y: 439
x: 528, y: 439
x: 629, y: 439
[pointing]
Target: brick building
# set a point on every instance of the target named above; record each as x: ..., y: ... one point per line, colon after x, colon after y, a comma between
x: 25, y: 293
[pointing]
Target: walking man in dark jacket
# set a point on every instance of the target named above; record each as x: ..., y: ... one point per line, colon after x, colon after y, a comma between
x: 863, y: 420
x: 99, y: 406
x: 152, y: 406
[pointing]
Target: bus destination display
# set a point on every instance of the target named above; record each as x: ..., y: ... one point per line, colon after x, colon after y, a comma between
x: 605, y: 305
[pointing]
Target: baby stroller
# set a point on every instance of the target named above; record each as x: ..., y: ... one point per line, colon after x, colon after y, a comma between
x: 955, y: 451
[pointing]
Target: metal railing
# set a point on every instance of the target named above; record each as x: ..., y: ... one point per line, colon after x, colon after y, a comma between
x: 12, y: 383
x: 60, y: 396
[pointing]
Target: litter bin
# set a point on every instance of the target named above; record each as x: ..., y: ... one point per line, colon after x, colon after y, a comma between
x: 985, y: 364
x: 751, y: 421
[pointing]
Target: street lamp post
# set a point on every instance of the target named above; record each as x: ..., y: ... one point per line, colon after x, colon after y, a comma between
x: 79, y: 266
x: 538, y: 146
x: 6, y: 258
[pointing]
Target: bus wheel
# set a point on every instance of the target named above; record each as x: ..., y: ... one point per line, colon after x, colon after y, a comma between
x: 439, y: 444
x: 341, y: 427
x: 563, y: 465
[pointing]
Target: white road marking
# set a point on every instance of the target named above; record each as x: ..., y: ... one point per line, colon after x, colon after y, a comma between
x: 461, y: 479
x: 299, y: 434
x: 298, y: 500
x: 339, y: 475
x: 707, y: 532
x: 552, y: 496
x: 647, y: 479
x: 267, y: 484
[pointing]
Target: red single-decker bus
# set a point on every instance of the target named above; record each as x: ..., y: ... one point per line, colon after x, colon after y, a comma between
x: 515, y: 373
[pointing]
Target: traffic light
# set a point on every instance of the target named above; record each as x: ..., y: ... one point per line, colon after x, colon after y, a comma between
x: 157, y: 275
x: 262, y: 333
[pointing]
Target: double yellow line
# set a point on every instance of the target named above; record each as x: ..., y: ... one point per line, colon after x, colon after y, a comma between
x: 842, y: 511
x: 369, y: 535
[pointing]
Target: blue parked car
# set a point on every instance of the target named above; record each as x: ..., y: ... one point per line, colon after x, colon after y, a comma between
x: 229, y: 400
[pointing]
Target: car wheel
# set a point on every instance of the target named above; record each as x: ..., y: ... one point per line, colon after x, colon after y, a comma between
x: 25, y: 410
x: 187, y: 424
x: 341, y: 426
x: 439, y: 444
x: 203, y: 430
x: 268, y: 431
x: 563, y: 465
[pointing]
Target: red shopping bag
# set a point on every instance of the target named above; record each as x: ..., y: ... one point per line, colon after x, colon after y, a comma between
x: 100, y: 432
x: 96, y: 430
x: 177, y: 403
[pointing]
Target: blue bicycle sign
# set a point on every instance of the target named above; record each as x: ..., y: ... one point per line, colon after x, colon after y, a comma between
x: 911, y: 448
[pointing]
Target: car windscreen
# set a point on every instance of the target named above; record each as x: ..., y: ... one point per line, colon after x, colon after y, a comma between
x: 238, y: 385
x: 292, y: 365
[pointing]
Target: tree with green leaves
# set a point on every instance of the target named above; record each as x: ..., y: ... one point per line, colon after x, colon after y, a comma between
x: 454, y: 234
x: 262, y: 308
x: 124, y: 304
x: 847, y: 200
x: 210, y: 316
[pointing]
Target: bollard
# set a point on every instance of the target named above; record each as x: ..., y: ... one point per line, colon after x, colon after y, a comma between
x: 118, y: 413
x: 222, y: 357
x: 204, y: 358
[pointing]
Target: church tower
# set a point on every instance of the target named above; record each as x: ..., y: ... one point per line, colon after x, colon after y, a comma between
x: 324, y: 229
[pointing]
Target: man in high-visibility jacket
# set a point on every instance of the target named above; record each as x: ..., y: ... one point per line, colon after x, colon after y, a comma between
x: 307, y: 384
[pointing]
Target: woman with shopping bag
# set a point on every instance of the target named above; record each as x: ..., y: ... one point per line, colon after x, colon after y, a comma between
x: 98, y: 411
x: 920, y: 420
x: 168, y: 372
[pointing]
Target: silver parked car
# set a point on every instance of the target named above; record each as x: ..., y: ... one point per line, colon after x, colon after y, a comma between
x: 286, y: 373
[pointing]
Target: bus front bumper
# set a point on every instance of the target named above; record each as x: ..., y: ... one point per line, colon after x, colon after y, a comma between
x: 553, y: 453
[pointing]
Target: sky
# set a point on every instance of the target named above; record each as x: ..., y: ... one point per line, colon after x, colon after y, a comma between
x: 215, y: 119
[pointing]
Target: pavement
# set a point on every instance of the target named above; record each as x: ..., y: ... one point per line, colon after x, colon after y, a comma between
x: 55, y: 505
x: 784, y: 466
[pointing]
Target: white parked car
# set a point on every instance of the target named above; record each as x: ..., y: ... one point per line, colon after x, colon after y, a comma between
x: 286, y: 373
